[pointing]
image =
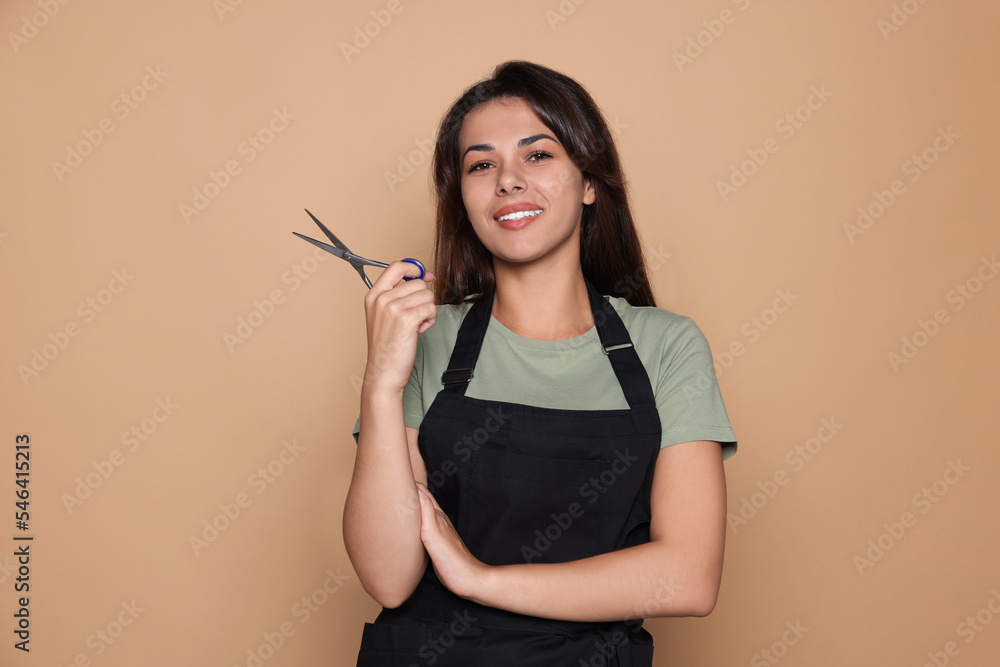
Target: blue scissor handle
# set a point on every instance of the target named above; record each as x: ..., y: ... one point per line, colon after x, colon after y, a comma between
x: 419, y: 266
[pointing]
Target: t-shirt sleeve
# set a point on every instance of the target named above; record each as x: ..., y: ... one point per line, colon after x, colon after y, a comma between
x: 413, y: 394
x: 413, y: 412
x: 687, y: 391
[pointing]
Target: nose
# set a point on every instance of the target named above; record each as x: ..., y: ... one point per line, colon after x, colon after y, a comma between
x: 510, y: 179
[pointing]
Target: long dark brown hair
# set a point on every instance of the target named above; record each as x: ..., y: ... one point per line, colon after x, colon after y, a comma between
x: 610, y: 253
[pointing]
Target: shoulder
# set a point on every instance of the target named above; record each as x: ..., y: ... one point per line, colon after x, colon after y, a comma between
x: 449, y: 317
x: 453, y: 312
x: 649, y: 324
x: 668, y: 343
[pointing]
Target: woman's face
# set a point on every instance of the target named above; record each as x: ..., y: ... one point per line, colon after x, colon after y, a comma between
x: 522, y: 192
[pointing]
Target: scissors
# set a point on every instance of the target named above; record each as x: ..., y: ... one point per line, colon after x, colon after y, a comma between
x: 340, y: 250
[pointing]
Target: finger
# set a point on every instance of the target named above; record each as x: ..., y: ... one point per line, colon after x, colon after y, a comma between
x: 400, y: 289
x: 427, y: 514
x: 389, y: 277
x: 429, y: 321
x: 404, y: 297
x: 413, y: 271
x: 430, y: 497
x: 430, y: 312
x: 382, y: 294
x: 424, y: 492
x: 410, y: 312
x: 394, y: 273
x: 433, y: 500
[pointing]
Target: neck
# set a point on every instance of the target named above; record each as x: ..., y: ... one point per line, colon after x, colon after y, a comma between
x: 542, y: 302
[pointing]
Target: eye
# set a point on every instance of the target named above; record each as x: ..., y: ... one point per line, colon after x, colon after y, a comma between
x: 477, y: 166
x: 538, y: 156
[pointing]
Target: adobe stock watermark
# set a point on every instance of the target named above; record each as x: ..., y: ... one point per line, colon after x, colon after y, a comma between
x: 137, y: 434
x: 899, y: 17
x: 606, y: 652
x: 259, y: 481
x: 122, y: 107
x: 435, y: 647
x: 407, y: 165
x: 590, y: 490
x: 924, y: 500
x: 779, y: 648
x: 365, y: 35
x: 248, y: 149
x: 796, y: 459
x: 104, y: 637
x: 786, y: 127
x: 915, y: 166
x: 752, y: 329
x: 704, y: 39
x: 667, y: 593
x: 223, y: 7
x: 302, y: 611
x: 463, y: 450
x: 562, y: 12
x: 263, y: 309
x: 59, y: 340
x: 30, y: 25
x: 960, y: 295
x: 968, y: 629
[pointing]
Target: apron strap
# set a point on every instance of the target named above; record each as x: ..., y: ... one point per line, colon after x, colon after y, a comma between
x: 611, y: 330
x: 621, y: 353
x: 467, y: 345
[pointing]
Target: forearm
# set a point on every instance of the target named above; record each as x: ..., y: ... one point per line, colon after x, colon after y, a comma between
x: 643, y: 581
x: 381, y: 512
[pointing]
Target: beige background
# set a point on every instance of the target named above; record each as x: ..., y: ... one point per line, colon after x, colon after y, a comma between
x: 223, y: 72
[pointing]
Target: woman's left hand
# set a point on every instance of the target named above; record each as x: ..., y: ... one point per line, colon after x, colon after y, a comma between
x: 454, y: 564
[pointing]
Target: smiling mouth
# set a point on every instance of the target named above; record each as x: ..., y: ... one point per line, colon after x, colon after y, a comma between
x: 519, y: 215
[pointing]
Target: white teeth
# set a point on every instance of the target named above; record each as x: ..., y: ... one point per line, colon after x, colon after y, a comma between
x: 519, y: 215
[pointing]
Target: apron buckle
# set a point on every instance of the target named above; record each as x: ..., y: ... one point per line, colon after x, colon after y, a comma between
x: 456, y: 376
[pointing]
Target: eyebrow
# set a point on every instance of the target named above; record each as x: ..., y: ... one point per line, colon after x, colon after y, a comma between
x: 520, y: 144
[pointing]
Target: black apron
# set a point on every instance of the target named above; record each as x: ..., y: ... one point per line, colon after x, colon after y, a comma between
x: 528, y: 484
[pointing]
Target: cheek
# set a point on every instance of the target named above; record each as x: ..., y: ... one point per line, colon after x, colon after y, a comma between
x: 471, y: 197
x: 563, y: 183
x: 473, y: 208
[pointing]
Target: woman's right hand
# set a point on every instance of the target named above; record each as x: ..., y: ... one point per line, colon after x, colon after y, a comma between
x: 395, y: 312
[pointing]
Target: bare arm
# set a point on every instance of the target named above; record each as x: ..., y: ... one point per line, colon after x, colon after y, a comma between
x: 676, y: 574
x: 381, y: 513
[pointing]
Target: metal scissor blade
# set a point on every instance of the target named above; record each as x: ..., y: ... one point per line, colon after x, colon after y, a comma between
x: 343, y: 254
x: 330, y: 235
x: 357, y: 261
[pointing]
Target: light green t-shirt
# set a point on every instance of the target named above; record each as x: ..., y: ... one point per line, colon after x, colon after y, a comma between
x: 576, y: 374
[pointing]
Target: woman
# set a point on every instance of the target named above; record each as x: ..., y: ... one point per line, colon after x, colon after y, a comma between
x: 566, y: 479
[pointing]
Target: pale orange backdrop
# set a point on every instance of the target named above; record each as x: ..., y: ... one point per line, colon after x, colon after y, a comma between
x: 180, y: 360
